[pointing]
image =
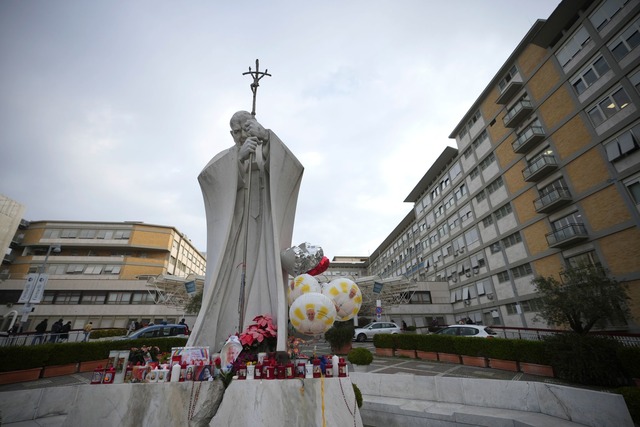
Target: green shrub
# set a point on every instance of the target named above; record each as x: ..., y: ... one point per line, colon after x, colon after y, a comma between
x: 339, y: 335
x: 468, y: 346
x: 425, y: 343
x: 501, y: 348
x: 439, y: 343
x: 358, y: 394
x: 360, y: 356
x: 530, y: 351
x: 405, y: 342
x: 629, y: 358
x: 585, y: 359
x: 385, y: 341
x: 632, y: 399
x: 411, y: 329
x: 36, y: 356
x: 104, y: 333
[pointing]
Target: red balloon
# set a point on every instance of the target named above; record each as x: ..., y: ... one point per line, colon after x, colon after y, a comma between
x: 320, y: 268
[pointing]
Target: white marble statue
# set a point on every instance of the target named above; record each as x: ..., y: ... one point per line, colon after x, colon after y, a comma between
x: 276, y: 175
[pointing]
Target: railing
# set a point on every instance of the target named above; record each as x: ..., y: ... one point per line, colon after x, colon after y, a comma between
x: 571, y: 231
x: 31, y: 338
x: 530, y: 134
x: 629, y: 340
x: 517, y: 112
x: 540, y: 163
x: 552, y: 197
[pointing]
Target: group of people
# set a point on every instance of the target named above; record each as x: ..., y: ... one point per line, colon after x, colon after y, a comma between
x: 59, y: 332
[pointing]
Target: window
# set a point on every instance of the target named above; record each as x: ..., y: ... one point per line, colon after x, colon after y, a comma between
x: 609, y: 106
x: 93, y: 269
x: 581, y: 260
x: 590, y: 75
x: 87, y: 234
x: 573, y: 46
x: 522, y: 270
x: 456, y: 170
x: 94, y: 298
x: 487, y: 161
x: 567, y: 221
x: 481, y: 196
x: 634, y: 78
x: 503, y: 276
x: 634, y: 190
x: 460, y: 192
x: 623, y: 144
x: 503, y: 211
x: 512, y: 239
x: 112, y: 269
x: 75, y: 268
x: 487, y: 221
x: 601, y: 17
x: 67, y: 297
x: 495, y: 185
x: 119, y: 298
x: 472, y: 236
x: 513, y: 71
x: 475, y: 172
x: 420, y: 297
x: 142, y: 298
x: 69, y: 234
x: 467, y: 153
x: 627, y: 41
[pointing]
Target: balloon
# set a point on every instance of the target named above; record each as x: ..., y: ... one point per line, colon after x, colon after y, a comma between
x: 346, y: 296
x: 320, y: 268
x: 300, y: 259
x: 312, y: 313
x: 302, y: 284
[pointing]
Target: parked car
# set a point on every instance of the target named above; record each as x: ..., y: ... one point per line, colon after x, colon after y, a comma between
x: 468, y: 331
x: 367, y: 332
x: 159, y: 331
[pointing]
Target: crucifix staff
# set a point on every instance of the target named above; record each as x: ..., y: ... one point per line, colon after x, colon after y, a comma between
x: 256, y: 75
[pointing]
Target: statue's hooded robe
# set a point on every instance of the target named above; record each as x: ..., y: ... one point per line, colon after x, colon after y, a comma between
x: 276, y: 177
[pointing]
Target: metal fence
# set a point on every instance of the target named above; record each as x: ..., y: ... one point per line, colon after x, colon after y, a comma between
x: 631, y: 340
x: 34, y: 339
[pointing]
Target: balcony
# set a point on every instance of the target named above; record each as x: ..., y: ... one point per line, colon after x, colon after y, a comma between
x: 553, y: 200
x: 540, y: 168
x: 509, y: 92
x: 528, y: 139
x: 566, y: 236
x: 517, y: 113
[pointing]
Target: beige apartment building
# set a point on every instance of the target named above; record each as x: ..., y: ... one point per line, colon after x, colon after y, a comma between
x: 545, y: 173
x: 109, y: 273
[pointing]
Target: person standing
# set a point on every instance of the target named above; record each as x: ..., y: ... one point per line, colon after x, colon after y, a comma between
x: 182, y: 322
x: 55, y: 331
x: 87, y: 330
x: 64, y: 335
x: 41, y: 328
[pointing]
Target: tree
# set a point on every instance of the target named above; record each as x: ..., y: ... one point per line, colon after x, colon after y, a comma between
x: 194, y: 304
x: 586, y: 297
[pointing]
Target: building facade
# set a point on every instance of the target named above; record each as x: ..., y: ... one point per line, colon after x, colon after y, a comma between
x: 104, y: 272
x: 545, y: 173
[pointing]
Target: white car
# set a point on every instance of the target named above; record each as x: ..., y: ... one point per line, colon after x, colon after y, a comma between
x: 478, y: 331
x: 367, y: 332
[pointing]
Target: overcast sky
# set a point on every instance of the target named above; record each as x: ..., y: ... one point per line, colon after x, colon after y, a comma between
x: 109, y: 110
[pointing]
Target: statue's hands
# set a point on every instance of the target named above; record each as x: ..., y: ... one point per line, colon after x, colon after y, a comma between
x: 255, y: 129
x: 248, y: 148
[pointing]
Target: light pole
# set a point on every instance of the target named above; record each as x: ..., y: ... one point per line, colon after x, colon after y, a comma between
x: 34, y: 288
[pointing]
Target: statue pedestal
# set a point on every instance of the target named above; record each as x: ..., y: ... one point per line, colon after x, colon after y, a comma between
x: 300, y: 402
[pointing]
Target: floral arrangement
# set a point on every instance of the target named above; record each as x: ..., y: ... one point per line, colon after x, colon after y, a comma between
x: 260, y: 336
x: 144, y: 354
x: 293, y: 347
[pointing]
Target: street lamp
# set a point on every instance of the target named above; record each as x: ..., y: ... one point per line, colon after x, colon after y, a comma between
x: 34, y: 288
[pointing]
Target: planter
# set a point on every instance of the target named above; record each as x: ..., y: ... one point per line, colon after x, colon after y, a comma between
x: 406, y: 353
x: 342, y: 350
x: 384, y: 352
x: 449, y: 358
x: 474, y: 361
x: 505, y: 365
x: 90, y: 366
x: 12, y: 377
x: 535, y: 369
x: 427, y: 355
x: 58, y: 370
x: 360, y: 368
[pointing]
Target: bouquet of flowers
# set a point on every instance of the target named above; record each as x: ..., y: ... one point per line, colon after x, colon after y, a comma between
x: 260, y: 336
